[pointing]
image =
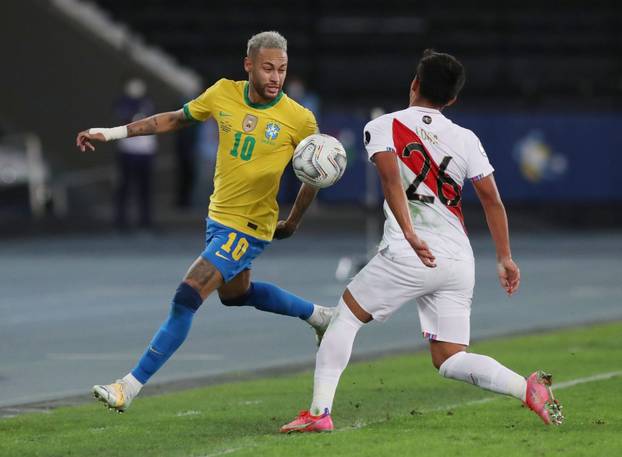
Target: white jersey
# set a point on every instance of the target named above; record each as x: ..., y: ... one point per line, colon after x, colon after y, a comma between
x: 434, y: 156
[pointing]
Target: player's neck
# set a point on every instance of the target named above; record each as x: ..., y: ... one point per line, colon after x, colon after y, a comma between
x: 423, y: 103
x: 254, y: 96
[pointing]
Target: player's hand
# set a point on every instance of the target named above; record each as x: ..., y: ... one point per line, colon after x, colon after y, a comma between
x: 422, y: 250
x: 84, y: 139
x: 284, y: 229
x: 509, y: 275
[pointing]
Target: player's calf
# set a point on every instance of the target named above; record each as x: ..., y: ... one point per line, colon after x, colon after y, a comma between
x: 271, y: 298
x: 487, y: 373
x: 484, y: 372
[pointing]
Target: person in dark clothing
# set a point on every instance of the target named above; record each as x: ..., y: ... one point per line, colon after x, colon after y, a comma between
x: 135, y: 158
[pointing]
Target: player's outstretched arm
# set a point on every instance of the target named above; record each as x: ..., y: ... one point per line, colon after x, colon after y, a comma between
x: 496, y: 217
x: 158, y: 123
x: 286, y: 228
x: 389, y: 172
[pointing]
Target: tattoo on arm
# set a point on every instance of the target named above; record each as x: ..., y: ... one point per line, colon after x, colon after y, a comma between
x: 158, y: 123
x: 147, y: 126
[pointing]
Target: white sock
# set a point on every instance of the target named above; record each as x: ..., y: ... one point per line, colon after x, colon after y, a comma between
x: 485, y: 372
x: 133, y: 384
x: 333, y: 356
x: 315, y: 318
x: 320, y: 317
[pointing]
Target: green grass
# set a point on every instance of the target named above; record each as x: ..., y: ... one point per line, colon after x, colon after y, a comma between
x: 394, y: 406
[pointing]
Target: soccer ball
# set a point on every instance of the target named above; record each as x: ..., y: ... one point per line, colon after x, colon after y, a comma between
x: 319, y: 160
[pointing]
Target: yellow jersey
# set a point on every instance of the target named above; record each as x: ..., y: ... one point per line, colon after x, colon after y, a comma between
x: 256, y: 142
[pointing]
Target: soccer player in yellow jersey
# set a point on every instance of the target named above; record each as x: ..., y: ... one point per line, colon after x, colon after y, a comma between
x: 259, y: 127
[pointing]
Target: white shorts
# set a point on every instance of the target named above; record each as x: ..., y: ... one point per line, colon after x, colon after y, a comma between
x: 443, y: 294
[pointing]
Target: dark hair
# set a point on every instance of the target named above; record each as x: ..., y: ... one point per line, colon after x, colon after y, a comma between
x: 441, y: 77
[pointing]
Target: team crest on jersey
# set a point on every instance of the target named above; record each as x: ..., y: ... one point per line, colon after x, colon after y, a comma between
x: 249, y: 123
x: 272, y: 131
x: 427, y: 119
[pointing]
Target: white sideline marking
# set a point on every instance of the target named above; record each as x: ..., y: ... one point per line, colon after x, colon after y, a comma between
x: 458, y: 405
x: 560, y: 386
x: 188, y: 413
x: 250, y: 402
x: 227, y: 451
x: 555, y: 387
x: 596, y: 377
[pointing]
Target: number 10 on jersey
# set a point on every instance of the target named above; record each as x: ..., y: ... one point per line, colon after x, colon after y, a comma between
x: 248, y: 144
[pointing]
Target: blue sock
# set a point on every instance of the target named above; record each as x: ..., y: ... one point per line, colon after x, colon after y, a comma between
x: 171, y: 335
x: 268, y: 297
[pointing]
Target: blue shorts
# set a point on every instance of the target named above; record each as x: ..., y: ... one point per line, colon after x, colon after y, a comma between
x: 230, y: 251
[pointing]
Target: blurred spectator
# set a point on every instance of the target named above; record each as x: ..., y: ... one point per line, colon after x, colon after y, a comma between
x: 135, y: 158
x: 185, y: 153
x: 297, y: 90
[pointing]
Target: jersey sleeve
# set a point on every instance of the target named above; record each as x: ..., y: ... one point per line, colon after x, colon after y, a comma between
x: 378, y: 136
x: 200, y: 109
x: 478, y: 166
x: 308, y: 127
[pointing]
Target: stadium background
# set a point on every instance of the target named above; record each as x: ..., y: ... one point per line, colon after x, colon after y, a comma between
x: 543, y: 92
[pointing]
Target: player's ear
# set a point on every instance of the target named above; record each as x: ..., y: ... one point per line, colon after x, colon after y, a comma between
x: 414, y: 86
x: 248, y: 64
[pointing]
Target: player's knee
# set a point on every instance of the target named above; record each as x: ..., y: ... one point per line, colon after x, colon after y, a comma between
x: 237, y: 301
x: 187, y: 296
x: 350, y: 303
x: 438, y: 361
x: 240, y: 300
x: 442, y: 351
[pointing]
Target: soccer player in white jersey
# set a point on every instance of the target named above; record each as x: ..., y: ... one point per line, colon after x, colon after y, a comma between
x: 423, y: 159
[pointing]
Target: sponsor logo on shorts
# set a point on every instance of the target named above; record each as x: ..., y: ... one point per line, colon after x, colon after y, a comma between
x: 429, y: 336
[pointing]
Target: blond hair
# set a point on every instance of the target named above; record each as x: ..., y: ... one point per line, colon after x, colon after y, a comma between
x: 268, y: 40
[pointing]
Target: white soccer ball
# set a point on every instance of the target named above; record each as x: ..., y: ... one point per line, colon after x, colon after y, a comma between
x: 319, y: 160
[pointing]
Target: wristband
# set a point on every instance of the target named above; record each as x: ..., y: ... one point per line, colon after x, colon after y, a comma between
x: 115, y: 133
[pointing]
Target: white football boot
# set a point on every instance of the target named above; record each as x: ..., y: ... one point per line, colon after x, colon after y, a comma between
x: 117, y: 396
x: 319, y: 320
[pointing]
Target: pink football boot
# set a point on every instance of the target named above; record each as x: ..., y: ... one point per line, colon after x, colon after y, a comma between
x: 540, y: 399
x: 305, y: 422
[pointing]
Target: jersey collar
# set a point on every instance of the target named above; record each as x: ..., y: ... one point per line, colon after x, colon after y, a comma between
x: 247, y: 100
x: 426, y: 110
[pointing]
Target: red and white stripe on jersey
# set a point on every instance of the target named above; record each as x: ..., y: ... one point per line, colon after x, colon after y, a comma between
x: 435, y: 157
x: 413, y: 153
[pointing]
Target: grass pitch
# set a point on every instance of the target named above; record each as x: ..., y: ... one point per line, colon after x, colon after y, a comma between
x: 394, y: 406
